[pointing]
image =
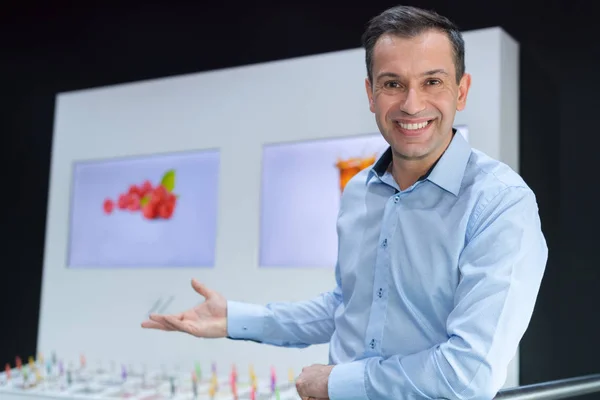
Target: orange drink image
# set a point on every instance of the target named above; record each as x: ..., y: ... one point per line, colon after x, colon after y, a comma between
x: 352, y: 166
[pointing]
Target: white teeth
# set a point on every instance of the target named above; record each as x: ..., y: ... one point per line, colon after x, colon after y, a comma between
x: 413, y: 126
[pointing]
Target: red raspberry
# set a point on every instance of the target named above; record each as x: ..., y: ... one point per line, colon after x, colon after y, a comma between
x: 154, y: 200
x: 165, y: 210
x: 160, y: 192
x: 134, y: 189
x: 149, y: 211
x: 123, y: 201
x: 146, y: 188
x: 134, y: 202
x: 108, y: 206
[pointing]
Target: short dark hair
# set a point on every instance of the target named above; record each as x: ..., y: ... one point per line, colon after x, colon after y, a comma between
x: 408, y: 22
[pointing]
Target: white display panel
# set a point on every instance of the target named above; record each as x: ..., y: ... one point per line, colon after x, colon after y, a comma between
x: 301, y: 188
x: 238, y: 112
x: 153, y: 211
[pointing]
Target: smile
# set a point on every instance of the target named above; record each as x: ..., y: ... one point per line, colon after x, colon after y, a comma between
x: 413, y: 126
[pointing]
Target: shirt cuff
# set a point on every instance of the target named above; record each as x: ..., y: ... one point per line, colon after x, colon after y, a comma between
x: 347, y: 381
x: 245, y: 321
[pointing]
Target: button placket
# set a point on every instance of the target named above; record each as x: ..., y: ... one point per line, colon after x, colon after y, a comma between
x: 375, y: 330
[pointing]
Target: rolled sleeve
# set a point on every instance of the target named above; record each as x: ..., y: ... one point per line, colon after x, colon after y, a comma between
x: 245, y: 321
x: 347, y: 381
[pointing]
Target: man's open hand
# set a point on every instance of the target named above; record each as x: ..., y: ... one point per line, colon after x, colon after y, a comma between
x: 206, y: 320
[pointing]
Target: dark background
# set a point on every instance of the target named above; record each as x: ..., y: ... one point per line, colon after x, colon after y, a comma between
x: 54, y: 47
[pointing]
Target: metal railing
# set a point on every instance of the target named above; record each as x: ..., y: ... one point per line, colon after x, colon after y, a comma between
x: 553, y: 390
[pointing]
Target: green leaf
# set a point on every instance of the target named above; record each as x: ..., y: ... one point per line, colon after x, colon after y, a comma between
x: 168, y: 180
x: 145, y: 200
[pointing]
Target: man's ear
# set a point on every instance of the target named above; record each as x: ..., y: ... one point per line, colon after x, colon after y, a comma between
x: 463, y: 91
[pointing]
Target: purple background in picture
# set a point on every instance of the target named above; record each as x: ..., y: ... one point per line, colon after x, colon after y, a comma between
x: 300, y: 199
x: 127, y: 239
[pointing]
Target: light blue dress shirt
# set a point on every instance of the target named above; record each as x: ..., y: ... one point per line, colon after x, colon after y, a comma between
x: 436, y: 284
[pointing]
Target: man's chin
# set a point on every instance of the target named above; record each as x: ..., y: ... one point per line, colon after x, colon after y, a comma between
x: 411, y: 152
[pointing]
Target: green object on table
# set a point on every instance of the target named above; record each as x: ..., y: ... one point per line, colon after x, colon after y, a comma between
x: 198, y: 371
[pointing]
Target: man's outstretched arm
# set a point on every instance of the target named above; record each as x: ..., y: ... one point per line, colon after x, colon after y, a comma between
x: 287, y: 324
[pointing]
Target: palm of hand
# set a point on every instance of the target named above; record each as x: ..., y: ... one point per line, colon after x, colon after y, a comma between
x: 208, y: 319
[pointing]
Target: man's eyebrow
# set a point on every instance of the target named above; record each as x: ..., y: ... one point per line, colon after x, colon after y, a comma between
x: 438, y: 71
x: 388, y: 75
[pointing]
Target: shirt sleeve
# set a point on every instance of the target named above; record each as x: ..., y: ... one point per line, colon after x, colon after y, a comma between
x: 287, y: 324
x: 501, y: 269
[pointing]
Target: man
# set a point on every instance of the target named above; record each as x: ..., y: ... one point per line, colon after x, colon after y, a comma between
x: 441, y: 253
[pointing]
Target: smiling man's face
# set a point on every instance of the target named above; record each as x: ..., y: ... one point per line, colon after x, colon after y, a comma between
x: 414, y: 94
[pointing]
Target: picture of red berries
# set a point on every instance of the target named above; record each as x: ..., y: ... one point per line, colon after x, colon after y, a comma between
x: 109, y: 205
x: 154, y: 201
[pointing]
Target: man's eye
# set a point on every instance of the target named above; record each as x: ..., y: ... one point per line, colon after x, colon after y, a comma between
x: 391, y: 85
x: 434, y: 82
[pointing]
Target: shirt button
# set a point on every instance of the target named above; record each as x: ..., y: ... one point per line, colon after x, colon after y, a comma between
x: 396, y: 198
x: 380, y: 292
x: 372, y: 344
x: 384, y: 243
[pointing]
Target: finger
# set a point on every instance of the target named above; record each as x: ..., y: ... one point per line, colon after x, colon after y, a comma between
x: 202, y: 289
x: 160, y: 317
x: 177, y: 324
x: 162, y: 320
x: 155, y: 325
x: 166, y: 321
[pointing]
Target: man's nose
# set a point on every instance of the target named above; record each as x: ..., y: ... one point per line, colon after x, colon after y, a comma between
x: 413, y: 103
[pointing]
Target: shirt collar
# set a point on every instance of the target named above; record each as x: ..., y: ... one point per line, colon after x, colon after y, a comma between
x: 447, y: 172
